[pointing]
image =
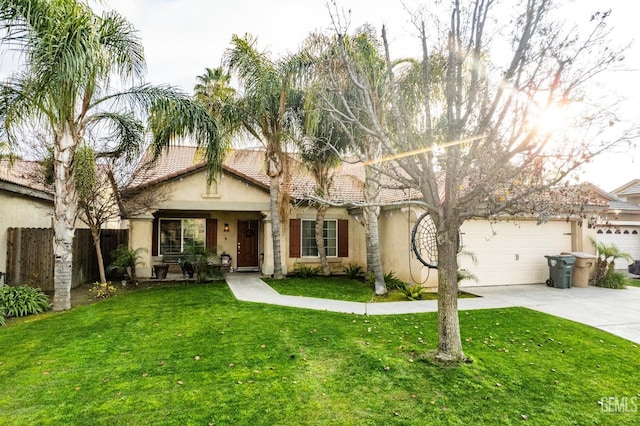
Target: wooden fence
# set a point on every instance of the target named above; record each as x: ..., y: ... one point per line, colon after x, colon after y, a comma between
x: 30, y: 257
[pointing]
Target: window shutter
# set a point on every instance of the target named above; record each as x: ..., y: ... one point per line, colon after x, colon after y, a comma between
x: 212, y: 234
x: 343, y: 238
x: 294, y: 237
x: 154, y: 237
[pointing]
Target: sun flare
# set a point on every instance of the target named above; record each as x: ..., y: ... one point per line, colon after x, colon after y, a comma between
x: 551, y: 119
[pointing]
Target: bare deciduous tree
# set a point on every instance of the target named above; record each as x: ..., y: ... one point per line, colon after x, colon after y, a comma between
x: 467, y: 125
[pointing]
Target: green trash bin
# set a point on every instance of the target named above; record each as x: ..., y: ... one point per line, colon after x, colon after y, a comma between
x: 560, y: 270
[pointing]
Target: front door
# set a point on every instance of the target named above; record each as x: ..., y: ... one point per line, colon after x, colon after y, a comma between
x: 248, y: 245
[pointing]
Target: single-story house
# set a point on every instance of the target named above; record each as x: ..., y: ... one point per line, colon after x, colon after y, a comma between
x: 620, y: 223
x: 25, y: 201
x: 232, y: 215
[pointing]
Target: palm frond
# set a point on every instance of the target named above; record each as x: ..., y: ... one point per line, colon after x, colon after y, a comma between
x: 124, y: 128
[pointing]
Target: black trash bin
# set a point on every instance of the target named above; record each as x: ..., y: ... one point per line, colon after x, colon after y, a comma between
x: 560, y: 270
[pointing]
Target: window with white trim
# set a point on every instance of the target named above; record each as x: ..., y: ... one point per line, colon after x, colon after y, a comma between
x: 308, y: 245
x: 178, y: 234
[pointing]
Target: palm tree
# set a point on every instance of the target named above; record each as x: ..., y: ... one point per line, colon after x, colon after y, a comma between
x: 262, y: 109
x: 336, y: 98
x: 70, y: 56
x: 320, y: 148
x: 214, y: 91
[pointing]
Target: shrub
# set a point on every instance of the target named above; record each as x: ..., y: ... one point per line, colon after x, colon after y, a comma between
x: 307, y: 271
x: 392, y: 281
x: 353, y: 271
x: 464, y: 274
x: 412, y: 291
x: 103, y: 290
x: 125, y: 257
x: 204, y: 261
x: 2, y: 320
x: 604, y: 274
x: 613, y: 279
x: 22, y: 301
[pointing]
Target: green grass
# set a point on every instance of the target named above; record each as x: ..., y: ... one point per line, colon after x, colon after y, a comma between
x: 633, y: 282
x: 338, y: 288
x: 342, y: 288
x: 132, y: 360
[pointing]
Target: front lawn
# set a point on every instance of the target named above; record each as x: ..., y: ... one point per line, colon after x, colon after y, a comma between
x: 196, y: 355
x: 341, y: 288
x: 337, y: 288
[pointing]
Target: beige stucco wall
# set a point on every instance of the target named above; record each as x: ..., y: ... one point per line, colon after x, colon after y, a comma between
x: 228, y: 193
x: 395, y: 247
x: 21, y: 212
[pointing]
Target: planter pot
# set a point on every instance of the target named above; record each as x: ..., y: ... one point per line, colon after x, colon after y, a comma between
x: 161, y: 271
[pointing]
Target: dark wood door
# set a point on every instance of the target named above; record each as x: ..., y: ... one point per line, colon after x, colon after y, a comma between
x: 248, y: 244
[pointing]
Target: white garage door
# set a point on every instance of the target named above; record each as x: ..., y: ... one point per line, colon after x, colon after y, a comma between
x: 512, y: 253
x: 627, y: 238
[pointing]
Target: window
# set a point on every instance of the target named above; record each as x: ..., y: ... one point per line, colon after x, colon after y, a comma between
x: 308, y: 235
x: 340, y: 231
x: 178, y: 234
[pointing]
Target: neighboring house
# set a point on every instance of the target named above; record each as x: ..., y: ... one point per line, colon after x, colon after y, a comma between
x: 620, y: 223
x: 25, y: 201
x: 232, y: 215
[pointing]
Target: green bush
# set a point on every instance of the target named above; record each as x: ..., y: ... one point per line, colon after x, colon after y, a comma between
x: 464, y: 274
x: 204, y: 261
x: 412, y: 291
x: 613, y: 279
x: 353, y: 271
x: 2, y: 320
x: 22, y: 301
x: 604, y: 274
x: 307, y: 271
x: 392, y: 281
x: 125, y: 257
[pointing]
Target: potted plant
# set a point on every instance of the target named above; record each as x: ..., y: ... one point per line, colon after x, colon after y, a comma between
x: 205, y: 263
x: 161, y: 270
x: 127, y: 258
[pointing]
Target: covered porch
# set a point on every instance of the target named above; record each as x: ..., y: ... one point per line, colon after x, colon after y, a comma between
x: 172, y: 236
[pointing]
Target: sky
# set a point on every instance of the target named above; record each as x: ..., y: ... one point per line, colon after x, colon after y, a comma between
x: 183, y: 37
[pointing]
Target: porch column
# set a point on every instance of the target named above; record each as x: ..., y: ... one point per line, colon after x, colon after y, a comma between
x: 140, y: 235
x: 267, y: 247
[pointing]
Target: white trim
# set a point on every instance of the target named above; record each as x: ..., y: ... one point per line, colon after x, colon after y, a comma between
x: 337, y: 238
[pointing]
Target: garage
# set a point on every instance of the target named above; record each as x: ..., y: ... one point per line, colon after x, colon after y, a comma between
x: 626, y: 238
x: 512, y: 252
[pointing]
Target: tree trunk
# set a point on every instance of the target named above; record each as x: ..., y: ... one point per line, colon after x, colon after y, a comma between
x: 374, y: 250
x: 371, y: 213
x: 95, y: 234
x: 65, y: 213
x: 322, y: 250
x: 367, y: 242
x: 449, y: 341
x: 274, y: 194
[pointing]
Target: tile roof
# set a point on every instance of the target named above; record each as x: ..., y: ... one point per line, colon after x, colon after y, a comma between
x: 249, y: 164
x: 348, y: 178
x: 631, y: 188
x: 28, y: 174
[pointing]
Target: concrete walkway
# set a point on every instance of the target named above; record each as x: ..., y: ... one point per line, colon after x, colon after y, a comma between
x: 614, y: 311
